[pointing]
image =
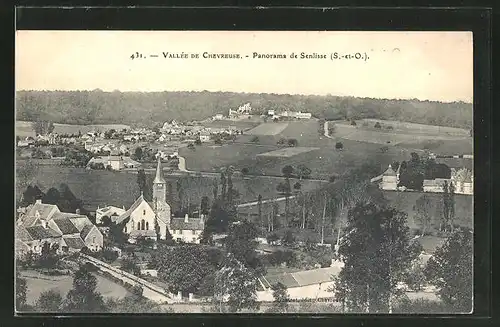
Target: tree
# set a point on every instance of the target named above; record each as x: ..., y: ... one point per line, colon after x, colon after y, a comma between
x: 83, y: 297
x: 240, y: 241
x: 49, y: 258
x: 21, y: 289
x: 376, y: 255
x: 244, y: 171
x: 339, y: 146
x: 303, y: 171
x: 197, y: 142
x: 205, y: 205
x: 25, y: 176
x: 183, y: 267
x: 236, y: 283
x: 282, y: 141
x: 288, y: 238
x: 415, y: 278
x: 259, y: 208
x: 254, y: 139
x: 353, y: 122
x: 130, y: 266
x: 49, y: 301
x: 377, y: 125
x: 287, y: 171
x: 272, y: 238
x: 133, y: 304
x: 450, y: 270
x: 281, y: 298
x: 297, y: 186
x: 138, y: 154
x: 141, y: 181
x: 42, y: 127
x: 292, y: 142
x: 423, y: 207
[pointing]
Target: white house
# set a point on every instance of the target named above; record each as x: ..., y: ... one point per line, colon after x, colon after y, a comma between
x: 112, y: 212
x: 187, y: 230
x: 218, y: 117
x: 302, y: 285
x: 388, y: 180
x: 204, y: 137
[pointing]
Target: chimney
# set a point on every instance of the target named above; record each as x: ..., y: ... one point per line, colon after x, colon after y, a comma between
x: 186, y: 218
x: 39, y: 201
x: 44, y: 223
x: 202, y: 218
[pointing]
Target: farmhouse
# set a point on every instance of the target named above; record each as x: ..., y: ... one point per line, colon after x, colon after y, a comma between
x: 153, y: 219
x: 302, y: 285
x: 43, y: 223
x: 388, y: 180
x: 462, y: 180
x: 109, y: 211
x: 114, y: 162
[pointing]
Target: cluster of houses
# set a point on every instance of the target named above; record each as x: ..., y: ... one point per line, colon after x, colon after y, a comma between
x: 42, y: 223
x: 461, y: 179
x: 289, y: 114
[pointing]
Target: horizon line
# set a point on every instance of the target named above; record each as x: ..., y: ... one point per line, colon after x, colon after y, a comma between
x: 243, y: 92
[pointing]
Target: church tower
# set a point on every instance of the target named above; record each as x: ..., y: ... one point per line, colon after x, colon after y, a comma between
x: 161, y: 206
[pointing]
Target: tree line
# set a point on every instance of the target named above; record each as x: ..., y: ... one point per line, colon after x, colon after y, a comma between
x: 98, y: 107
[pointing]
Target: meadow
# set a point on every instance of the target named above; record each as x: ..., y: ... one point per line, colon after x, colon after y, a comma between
x: 24, y: 129
x: 38, y: 283
x: 287, y: 152
x: 101, y: 187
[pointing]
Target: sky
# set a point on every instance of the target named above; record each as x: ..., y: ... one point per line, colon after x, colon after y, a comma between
x: 401, y: 65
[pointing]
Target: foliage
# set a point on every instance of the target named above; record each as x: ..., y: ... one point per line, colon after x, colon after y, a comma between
x: 254, y: 139
x: 21, y: 289
x: 133, y: 304
x: 272, y: 238
x: 236, y: 283
x: 76, y: 158
x: 281, y: 298
x: 287, y: 171
x: 278, y: 257
x: 241, y: 243
x: 283, y: 188
x: 83, y: 297
x: 420, y: 306
x: 42, y: 127
x: 30, y: 195
x: 448, y: 205
x: 297, y: 186
x: 377, y: 125
x: 130, y: 266
x: 48, y: 258
x: 303, y: 171
x: 288, y: 238
x: 141, y: 181
x: 183, y: 268
x: 292, y: 142
x: 49, y: 301
x: 221, y: 215
x: 25, y: 176
x: 450, y: 270
x: 93, y: 107
x: 376, y: 256
x: 423, y: 207
x: 415, y: 277
x: 339, y: 146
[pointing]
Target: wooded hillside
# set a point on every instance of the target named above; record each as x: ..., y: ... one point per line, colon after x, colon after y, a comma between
x: 136, y: 108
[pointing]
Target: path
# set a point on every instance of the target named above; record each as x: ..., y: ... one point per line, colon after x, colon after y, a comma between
x: 150, y: 290
x: 249, y: 204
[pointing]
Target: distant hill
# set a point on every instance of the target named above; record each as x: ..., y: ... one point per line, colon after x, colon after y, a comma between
x: 136, y: 108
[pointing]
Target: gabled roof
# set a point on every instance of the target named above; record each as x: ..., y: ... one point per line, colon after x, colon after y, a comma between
x: 192, y: 224
x: 22, y: 234
x: 134, y: 206
x: 66, y: 226
x: 302, y: 278
x: 40, y: 233
x: 389, y: 172
x: 85, y: 231
x: 74, y: 242
x: 46, y: 212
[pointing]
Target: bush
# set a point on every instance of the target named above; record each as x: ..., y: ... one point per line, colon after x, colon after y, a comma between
x: 279, y: 257
x: 377, y: 125
x: 339, y: 146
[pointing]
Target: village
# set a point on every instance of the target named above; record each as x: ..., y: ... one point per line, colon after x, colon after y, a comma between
x: 145, y: 242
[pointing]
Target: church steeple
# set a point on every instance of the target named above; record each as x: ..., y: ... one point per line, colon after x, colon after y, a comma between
x: 159, y: 173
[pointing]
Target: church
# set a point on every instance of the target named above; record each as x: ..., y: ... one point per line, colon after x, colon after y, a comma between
x: 153, y: 220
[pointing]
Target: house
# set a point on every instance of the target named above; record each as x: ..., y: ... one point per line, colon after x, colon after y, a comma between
x: 301, y: 285
x: 45, y: 223
x: 187, y: 230
x: 218, y: 117
x: 302, y: 115
x: 462, y: 180
x: 204, y: 137
x: 108, y: 211
x: 152, y: 219
x: 114, y: 162
x: 388, y: 180
x: 270, y: 112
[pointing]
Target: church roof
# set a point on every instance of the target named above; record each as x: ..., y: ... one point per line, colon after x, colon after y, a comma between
x: 389, y: 172
x: 134, y: 206
x: 159, y: 173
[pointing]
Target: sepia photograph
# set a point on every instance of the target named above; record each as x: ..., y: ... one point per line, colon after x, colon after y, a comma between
x: 244, y: 172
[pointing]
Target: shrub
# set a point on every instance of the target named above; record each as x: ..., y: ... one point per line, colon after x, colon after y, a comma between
x: 339, y: 146
x: 377, y: 125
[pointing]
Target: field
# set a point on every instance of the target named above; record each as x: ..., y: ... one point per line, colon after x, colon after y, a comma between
x: 24, y: 129
x: 234, y: 124
x: 268, y: 129
x: 63, y: 284
x: 287, y: 152
x: 100, y: 187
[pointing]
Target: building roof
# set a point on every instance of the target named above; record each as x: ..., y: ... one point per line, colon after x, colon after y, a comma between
x: 134, y: 206
x: 302, y: 278
x: 159, y: 173
x: 40, y: 233
x: 45, y: 210
x: 66, y: 226
x: 137, y: 233
x: 85, y: 231
x: 389, y: 172
x: 191, y: 224
x: 22, y: 234
x: 74, y: 242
